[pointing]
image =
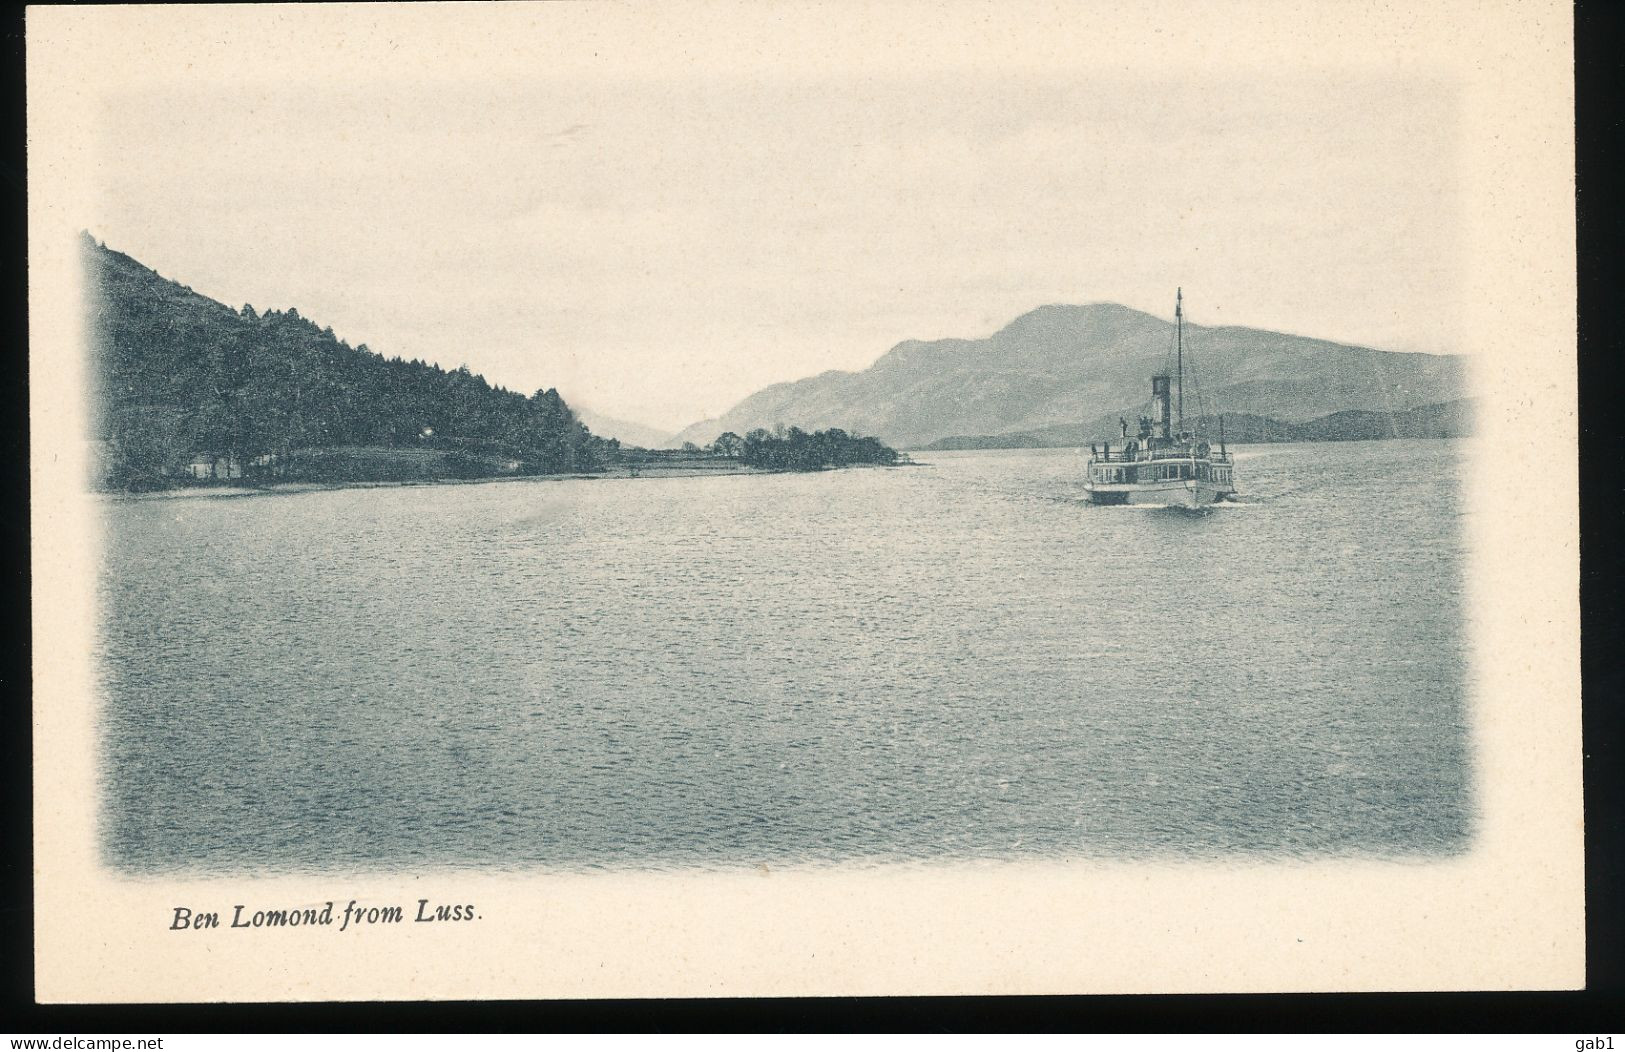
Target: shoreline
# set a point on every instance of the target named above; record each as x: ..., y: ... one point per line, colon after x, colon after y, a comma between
x: 660, y: 471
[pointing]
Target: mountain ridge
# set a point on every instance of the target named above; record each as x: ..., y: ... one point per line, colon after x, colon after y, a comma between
x: 1060, y: 363
x: 1452, y: 419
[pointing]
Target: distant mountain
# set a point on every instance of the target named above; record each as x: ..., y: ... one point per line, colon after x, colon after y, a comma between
x: 1440, y: 420
x: 1443, y: 420
x: 1060, y: 366
x: 629, y: 433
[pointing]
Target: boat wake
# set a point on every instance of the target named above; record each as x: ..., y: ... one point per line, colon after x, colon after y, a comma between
x: 1228, y: 504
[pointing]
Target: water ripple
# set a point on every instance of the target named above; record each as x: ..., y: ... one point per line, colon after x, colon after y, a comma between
x: 958, y: 661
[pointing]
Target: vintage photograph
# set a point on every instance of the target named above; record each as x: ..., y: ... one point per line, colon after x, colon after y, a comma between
x: 582, y: 467
x: 1096, y: 581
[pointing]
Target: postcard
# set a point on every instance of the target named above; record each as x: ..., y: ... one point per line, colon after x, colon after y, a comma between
x: 706, y: 499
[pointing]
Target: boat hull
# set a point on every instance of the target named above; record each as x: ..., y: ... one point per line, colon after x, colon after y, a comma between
x: 1170, y: 493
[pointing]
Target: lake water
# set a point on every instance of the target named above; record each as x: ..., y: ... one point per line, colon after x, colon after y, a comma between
x: 951, y: 662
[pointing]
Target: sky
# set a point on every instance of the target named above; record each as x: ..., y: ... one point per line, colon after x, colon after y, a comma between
x: 658, y: 247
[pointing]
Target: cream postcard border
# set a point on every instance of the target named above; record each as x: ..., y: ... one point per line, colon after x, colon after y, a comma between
x: 1507, y: 915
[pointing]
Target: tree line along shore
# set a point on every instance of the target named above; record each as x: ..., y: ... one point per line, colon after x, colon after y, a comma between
x: 188, y: 392
x: 794, y: 450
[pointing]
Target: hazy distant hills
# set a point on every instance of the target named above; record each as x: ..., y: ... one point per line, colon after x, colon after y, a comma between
x: 1439, y: 420
x: 629, y: 433
x: 1068, y: 366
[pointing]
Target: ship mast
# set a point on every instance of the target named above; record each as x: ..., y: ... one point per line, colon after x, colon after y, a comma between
x: 1179, y: 340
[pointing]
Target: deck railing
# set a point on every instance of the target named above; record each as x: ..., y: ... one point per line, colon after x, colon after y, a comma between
x: 1141, y: 456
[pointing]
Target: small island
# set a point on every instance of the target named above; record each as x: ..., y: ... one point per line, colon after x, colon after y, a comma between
x: 797, y: 450
x: 759, y: 452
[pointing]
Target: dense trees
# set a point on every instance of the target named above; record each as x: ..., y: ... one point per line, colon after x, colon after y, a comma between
x: 797, y: 450
x: 728, y: 444
x: 177, y: 376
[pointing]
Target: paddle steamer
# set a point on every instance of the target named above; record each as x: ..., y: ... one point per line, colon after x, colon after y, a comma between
x: 1163, y: 463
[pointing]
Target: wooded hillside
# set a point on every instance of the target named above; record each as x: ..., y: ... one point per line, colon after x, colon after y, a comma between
x: 178, y: 377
